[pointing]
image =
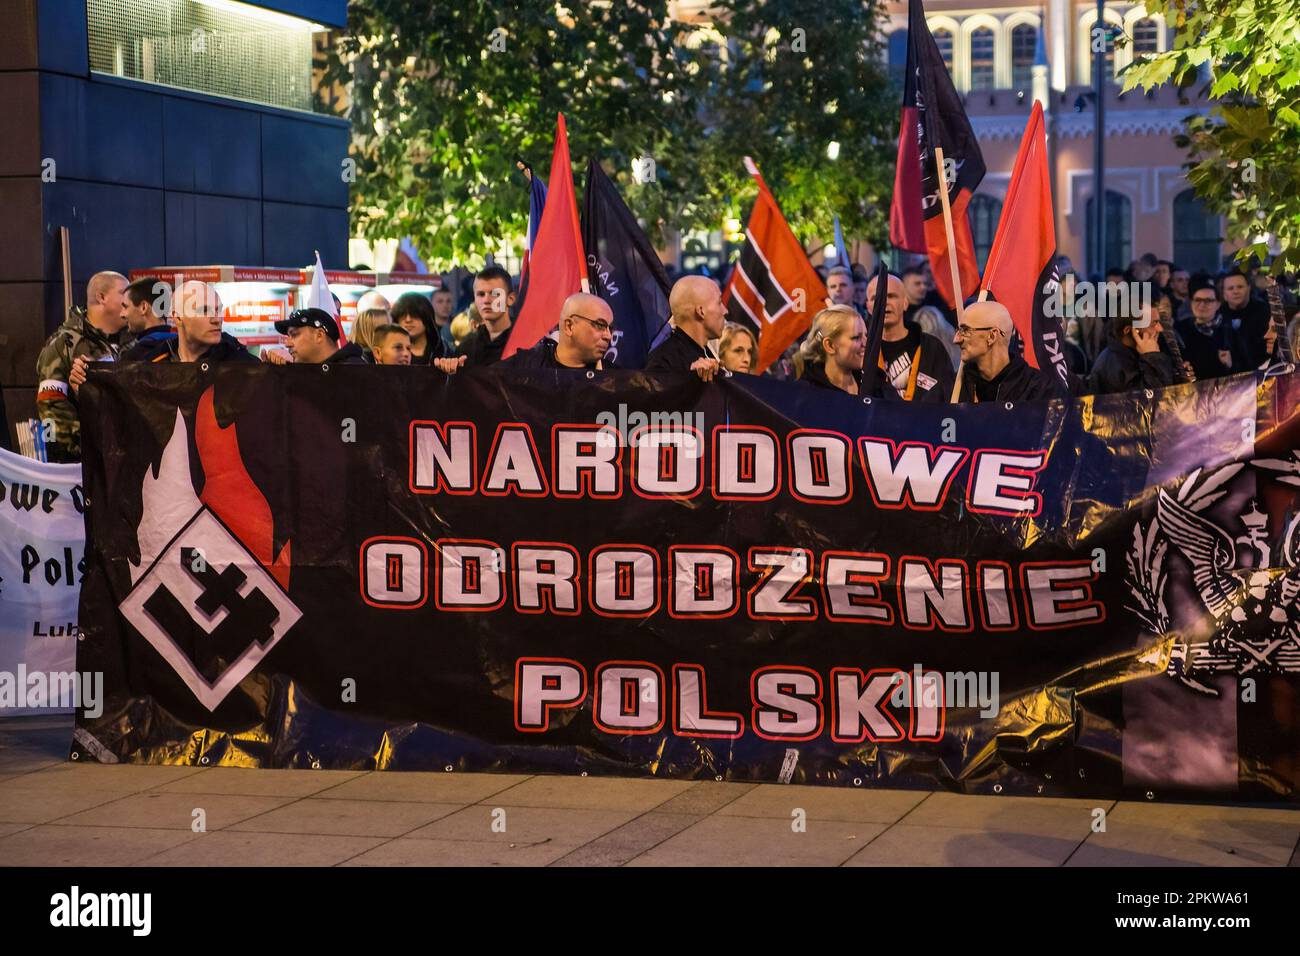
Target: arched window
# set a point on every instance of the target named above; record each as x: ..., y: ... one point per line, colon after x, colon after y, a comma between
x: 1112, y: 27
x: 1197, y: 242
x: 1119, y: 233
x: 944, y: 39
x: 981, y: 59
x: 984, y: 213
x: 1023, y: 44
x: 1146, y: 37
x: 898, y: 56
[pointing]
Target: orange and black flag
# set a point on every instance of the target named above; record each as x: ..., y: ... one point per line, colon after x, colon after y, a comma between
x: 1021, y: 271
x: 774, y: 290
x: 933, y: 116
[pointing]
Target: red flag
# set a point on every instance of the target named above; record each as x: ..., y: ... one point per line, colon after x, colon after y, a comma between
x: 557, y: 263
x: 933, y: 116
x: 1021, y: 271
x: 774, y: 290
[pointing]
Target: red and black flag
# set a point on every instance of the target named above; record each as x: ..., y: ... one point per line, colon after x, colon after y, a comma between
x: 774, y: 290
x: 1021, y: 271
x: 933, y: 116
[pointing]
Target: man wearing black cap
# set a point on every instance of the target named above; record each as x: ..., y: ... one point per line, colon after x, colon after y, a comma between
x: 314, y: 339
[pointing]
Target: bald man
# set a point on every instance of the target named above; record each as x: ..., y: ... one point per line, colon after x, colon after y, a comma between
x: 992, y: 373
x: 915, y: 365
x: 586, y: 330
x: 698, y: 315
x: 92, y: 334
x: 198, y: 312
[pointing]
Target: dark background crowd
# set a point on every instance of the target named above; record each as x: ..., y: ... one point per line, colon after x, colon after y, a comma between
x: 1173, y: 328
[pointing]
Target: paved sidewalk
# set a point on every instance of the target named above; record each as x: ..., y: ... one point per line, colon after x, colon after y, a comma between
x: 57, y: 813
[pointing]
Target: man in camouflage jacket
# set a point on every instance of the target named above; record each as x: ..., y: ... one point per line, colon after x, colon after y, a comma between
x: 92, y: 333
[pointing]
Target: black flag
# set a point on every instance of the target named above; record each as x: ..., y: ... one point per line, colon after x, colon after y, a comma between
x: 875, y: 332
x: 624, y: 270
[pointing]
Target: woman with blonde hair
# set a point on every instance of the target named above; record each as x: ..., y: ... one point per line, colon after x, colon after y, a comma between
x: 363, y: 330
x: 737, y: 349
x: 832, y: 354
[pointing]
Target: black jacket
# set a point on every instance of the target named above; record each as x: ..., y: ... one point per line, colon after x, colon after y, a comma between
x: 1018, y: 382
x: 350, y: 354
x: 935, y: 374
x: 814, y: 373
x: 148, y: 343
x: 1201, y: 348
x: 677, y: 353
x: 164, y: 349
x: 479, y: 348
x: 542, y: 355
x: 1250, y: 322
x: 1120, y: 368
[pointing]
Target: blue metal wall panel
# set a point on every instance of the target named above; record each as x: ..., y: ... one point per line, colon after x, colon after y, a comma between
x: 61, y: 39
x: 102, y: 132
x: 113, y: 227
x: 291, y: 234
x: 330, y: 13
x: 211, y: 149
x: 213, y: 229
x: 302, y: 161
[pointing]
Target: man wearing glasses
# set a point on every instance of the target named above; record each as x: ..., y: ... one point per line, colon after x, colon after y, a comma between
x: 585, y: 332
x: 1210, y: 344
x: 992, y: 373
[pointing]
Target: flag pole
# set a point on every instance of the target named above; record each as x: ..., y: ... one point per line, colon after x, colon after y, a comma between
x: 952, y: 255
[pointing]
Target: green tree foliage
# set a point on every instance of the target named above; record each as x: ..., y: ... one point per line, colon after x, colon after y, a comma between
x: 444, y: 96
x: 1245, y: 154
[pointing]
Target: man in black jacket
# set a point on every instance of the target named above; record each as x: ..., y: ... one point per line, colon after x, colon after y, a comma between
x: 992, y: 373
x: 1132, y: 358
x: 915, y: 366
x: 1208, y: 342
x: 1248, y: 317
x: 314, y: 339
x: 199, y: 337
x: 698, y: 315
x: 585, y: 332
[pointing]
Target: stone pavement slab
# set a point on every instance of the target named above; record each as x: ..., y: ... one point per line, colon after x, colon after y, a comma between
x: 1230, y: 825
x: 412, y: 852
x: 387, y: 818
x: 259, y: 783
x: 906, y: 845
x: 175, y: 811
x: 759, y: 841
x: 591, y: 793
x: 87, y: 846
x: 629, y: 841
x: 1042, y: 816
x: 825, y: 803
x: 230, y: 848
x: 20, y: 805
x: 1150, y: 847
x: 98, y: 776
x: 414, y: 786
x: 531, y: 825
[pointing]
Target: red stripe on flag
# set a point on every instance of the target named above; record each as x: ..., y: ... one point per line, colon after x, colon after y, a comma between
x: 557, y: 262
x: 905, y: 220
x: 1026, y: 236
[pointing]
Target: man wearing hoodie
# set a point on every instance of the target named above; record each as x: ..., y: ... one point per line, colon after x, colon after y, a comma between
x: 93, y: 334
x: 914, y: 365
x: 992, y: 373
x: 314, y: 339
x: 1132, y: 359
x: 199, y: 337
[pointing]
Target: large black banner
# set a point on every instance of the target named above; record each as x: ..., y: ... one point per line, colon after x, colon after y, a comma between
x: 616, y: 573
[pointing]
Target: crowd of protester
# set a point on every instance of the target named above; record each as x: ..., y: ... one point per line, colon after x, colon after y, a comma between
x: 1189, y: 327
